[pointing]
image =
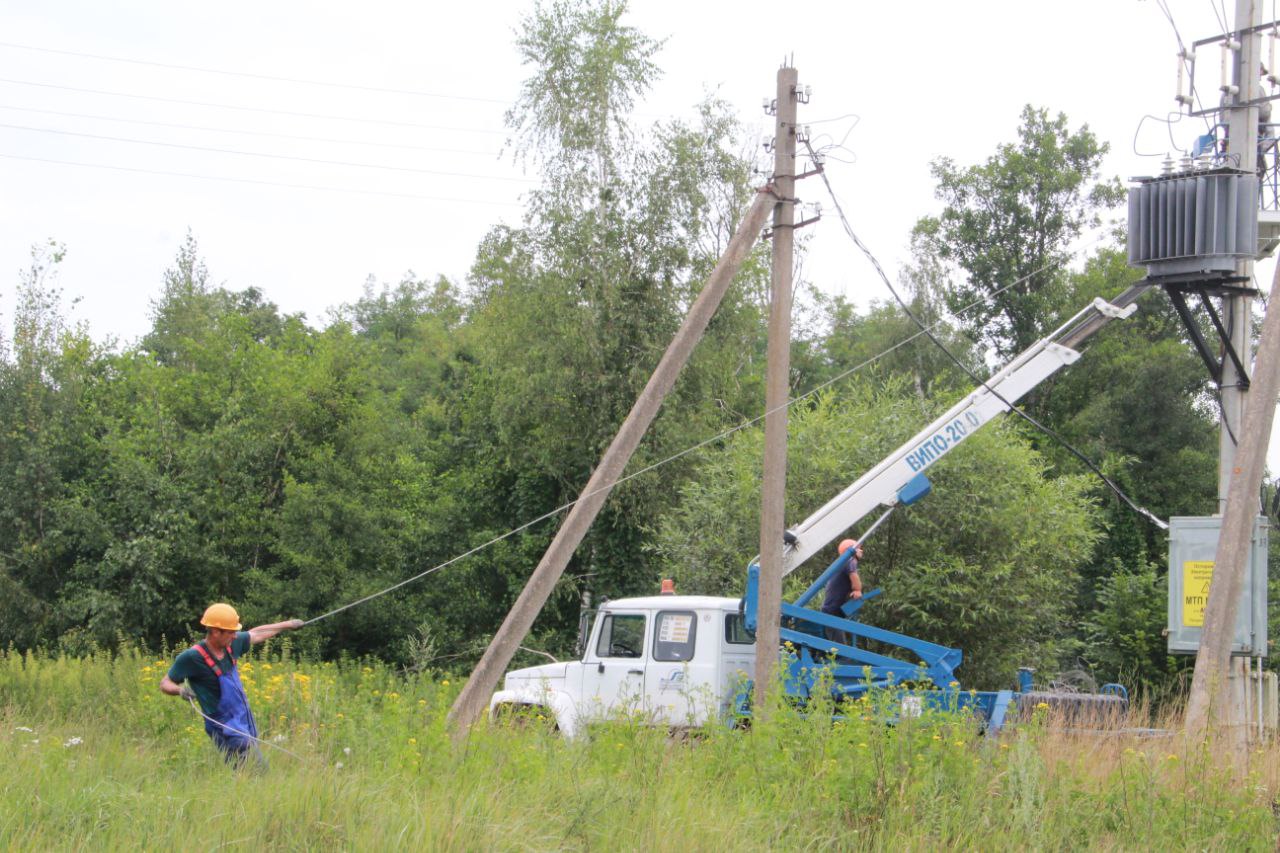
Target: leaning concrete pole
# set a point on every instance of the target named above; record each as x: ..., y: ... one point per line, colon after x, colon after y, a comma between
x: 1207, y: 703
x: 474, y: 698
x: 1209, y: 689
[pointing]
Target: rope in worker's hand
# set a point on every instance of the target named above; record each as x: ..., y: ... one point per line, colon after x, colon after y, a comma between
x: 195, y: 707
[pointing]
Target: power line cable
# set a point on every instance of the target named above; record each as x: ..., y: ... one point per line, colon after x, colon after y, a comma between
x: 924, y: 330
x: 1222, y: 412
x: 1221, y: 20
x: 1168, y: 121
x: 254, y: 76
x: 261, y: 110
x: 168, y: 174
x: 972, y: 375
x: 293, y: 157
x: 263, y: 133
x: 1163, y: 6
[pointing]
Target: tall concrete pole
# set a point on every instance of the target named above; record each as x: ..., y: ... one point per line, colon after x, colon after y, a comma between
x: 1209, y: 702
x: 777, y: 389
x: 1237, y: 310
x: 474, y: 698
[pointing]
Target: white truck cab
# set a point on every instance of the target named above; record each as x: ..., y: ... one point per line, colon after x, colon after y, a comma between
x: 674, y: 660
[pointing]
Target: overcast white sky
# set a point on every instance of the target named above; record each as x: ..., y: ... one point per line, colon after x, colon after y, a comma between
x: 925, y: 79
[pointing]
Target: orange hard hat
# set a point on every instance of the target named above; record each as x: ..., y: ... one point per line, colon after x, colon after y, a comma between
x: 847, y: 544
x: 222, y: 616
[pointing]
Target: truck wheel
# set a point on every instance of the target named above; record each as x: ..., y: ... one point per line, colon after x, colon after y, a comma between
x: 514, y: 716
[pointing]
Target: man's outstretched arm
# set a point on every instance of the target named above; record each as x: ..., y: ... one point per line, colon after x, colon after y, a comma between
x: 266, y: 632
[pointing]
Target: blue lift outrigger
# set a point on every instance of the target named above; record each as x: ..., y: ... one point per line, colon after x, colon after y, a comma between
x: 850, y: 671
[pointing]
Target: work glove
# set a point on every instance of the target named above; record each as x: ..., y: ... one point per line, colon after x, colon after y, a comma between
x: 187, y: 693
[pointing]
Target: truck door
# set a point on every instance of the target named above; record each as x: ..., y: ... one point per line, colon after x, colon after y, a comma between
x: 613, y: 677
x: 678, y: 681
x: 737, y: 660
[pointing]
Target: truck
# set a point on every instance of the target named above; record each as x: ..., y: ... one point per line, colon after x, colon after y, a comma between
x: 684, y: 661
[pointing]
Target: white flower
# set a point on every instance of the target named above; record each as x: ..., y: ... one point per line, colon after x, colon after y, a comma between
x: 36, y: 741
x: 279, y: 739
x: 346, y: 750
x: 338, y: 765
x: 75, y: 741
x: 25, y: 729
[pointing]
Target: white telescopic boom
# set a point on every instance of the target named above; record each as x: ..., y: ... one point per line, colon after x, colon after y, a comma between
x: 881, y: 484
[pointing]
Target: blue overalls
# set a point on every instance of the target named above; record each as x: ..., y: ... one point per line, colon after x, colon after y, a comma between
x: 235, y: 729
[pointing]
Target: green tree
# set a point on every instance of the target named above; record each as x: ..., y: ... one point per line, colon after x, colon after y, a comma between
x: 1124, y: 630
x: 1012, y: 219
x: 569, y: 314
x: 573, y: 110
x: 885, y: 342
x: 46, y: 439
x: 1169, y: 443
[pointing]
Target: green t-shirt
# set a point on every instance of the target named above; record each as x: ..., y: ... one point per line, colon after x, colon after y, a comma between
x: 191, y: 666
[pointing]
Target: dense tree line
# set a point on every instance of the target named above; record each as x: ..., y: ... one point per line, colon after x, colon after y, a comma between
x: 239, y: 453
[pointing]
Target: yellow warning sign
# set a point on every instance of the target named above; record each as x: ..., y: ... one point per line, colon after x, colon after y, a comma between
x: 1196, y: 575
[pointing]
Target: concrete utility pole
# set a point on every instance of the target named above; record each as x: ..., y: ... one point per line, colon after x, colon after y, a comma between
x: 474, y: 698
x: 777, y: 387
x: 1237, y: 492
x: 1237, y: 309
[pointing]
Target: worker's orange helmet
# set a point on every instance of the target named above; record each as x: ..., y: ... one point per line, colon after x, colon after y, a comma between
x: 222, y: 616
x: 847, y: 544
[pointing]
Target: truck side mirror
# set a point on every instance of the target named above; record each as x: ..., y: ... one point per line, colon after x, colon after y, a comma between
x: 584, y: 633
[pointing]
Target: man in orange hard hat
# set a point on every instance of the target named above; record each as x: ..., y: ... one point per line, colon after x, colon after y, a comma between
x: 209, y: 668
x: 845, y: 585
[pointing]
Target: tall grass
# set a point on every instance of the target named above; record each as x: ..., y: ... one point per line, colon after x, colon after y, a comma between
x: 375, y: 769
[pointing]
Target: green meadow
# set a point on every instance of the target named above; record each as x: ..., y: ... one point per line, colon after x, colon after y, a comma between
x: 98, y: 759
